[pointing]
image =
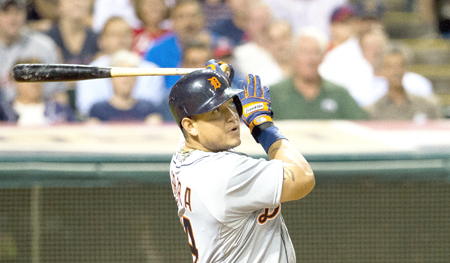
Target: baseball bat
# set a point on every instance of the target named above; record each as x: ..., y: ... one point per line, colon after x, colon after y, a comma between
x: 73, y: 72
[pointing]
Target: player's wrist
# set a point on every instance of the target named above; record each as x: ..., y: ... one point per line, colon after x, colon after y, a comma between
x: 265, y: 133
x: 259, y: 124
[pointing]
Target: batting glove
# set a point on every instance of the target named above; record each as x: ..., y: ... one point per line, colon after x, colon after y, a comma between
x: 255, y: 101
x: 221, y: 67
x: 257, y: 113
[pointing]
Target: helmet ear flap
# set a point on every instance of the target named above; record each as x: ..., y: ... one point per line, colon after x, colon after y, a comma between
x: 238, y: 104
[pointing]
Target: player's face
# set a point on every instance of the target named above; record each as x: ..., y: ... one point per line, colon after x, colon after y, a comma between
x: 218, y: 130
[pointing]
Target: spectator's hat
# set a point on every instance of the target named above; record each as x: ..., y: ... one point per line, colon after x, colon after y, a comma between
x: 19, y: 3
x: 370, y: 9
x: 343, y: 13
x: 222, y: 49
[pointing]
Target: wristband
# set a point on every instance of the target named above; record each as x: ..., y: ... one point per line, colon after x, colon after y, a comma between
x: 266, y: 134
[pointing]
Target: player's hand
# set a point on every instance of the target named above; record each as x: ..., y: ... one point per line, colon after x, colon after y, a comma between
x: 223, y: 68
x: 255, y: 100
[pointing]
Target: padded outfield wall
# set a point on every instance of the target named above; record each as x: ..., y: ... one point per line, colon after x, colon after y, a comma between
x: 84, y: 194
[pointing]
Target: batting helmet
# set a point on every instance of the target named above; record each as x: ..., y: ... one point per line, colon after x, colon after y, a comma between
x: 199, y: 92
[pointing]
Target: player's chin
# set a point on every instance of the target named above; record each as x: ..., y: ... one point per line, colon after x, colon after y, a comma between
x: 233, y: 142
x: 236, y: 143
x: 230, y: 144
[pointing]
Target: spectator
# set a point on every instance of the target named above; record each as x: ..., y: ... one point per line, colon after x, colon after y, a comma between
x: 280, y: 45
x: 18, y: 41
x: 349, y: 66
x: 344, y: 24
x: 253, y: 56
x: 301, y: 13
x: 306, y: 95
x: 152, y: 13
x: 77, y: 42
x: 30, y: 107
x: 398, y: 103
x: 122, y: 106
x: 346, y: 64
x: 105, y: 9
x: 413, y: 83
x: 116, y: 36
x: 231, y: 30
x: 196, y: 54
x: 352, y: 63
x: 188, y: 21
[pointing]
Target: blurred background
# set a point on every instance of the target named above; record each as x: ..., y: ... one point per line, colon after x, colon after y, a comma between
x: 361, y: 87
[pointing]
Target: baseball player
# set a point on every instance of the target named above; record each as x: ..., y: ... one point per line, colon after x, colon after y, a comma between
x: 228, y: 203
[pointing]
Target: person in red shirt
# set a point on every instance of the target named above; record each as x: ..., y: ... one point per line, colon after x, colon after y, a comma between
x: 152, y: 13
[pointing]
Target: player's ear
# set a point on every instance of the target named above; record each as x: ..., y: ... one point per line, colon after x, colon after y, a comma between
x: 189, y: 126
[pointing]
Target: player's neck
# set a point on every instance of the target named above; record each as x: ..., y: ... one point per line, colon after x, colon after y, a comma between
x: 191, y: 145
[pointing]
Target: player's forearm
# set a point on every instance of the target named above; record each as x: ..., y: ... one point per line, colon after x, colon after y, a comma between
x: 285, y: 151
x: 298, y: 176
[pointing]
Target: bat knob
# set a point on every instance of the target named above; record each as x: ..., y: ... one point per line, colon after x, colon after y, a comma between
x: 226, y: 69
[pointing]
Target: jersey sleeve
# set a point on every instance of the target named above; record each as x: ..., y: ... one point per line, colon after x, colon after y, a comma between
x: 245, y: 185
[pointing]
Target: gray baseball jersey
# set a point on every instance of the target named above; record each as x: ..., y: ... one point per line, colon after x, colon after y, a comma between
x: 229, y: 206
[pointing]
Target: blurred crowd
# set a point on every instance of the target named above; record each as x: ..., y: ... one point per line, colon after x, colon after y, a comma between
x: 323, y: 59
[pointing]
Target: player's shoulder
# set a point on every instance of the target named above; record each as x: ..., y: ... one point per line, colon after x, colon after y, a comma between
x: 224, y: 161
x: 216, y: 157
x: 232, y: 162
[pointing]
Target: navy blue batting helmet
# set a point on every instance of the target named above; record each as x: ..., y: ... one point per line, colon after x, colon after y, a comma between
x: 199, y: 92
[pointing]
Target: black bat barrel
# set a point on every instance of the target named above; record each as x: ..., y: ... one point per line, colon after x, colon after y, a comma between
x: 58, y: 72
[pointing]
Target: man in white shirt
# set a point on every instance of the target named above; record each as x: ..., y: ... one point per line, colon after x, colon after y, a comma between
x: 353, y: 65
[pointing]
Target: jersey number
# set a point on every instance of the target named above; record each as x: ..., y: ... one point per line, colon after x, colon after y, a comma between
x: 188, y: 230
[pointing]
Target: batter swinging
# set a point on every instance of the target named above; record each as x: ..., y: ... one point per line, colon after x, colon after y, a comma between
x: 228, y: 203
